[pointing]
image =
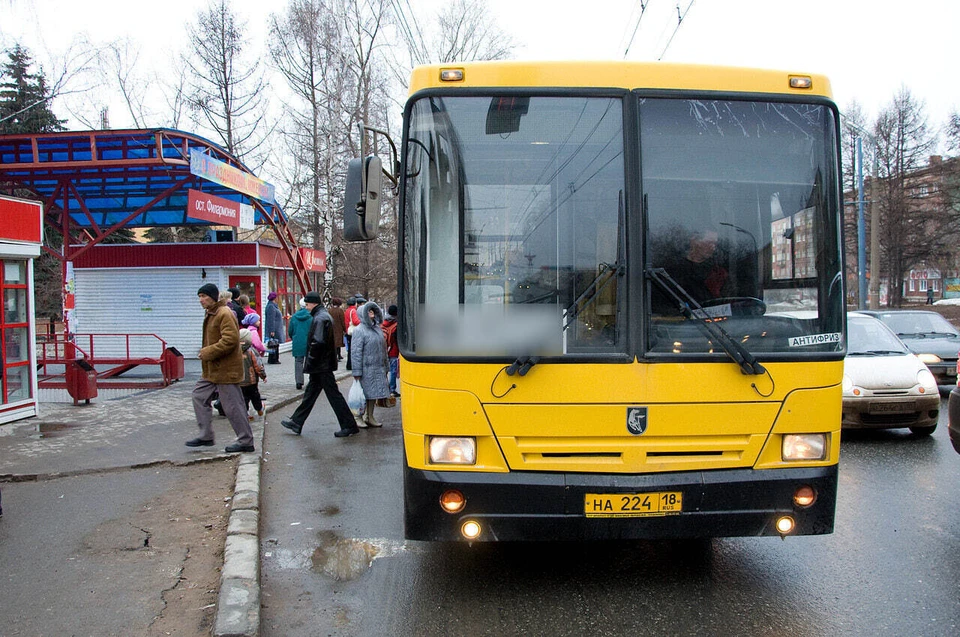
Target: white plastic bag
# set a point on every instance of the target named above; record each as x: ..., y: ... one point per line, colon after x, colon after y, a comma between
x: 355, y: 399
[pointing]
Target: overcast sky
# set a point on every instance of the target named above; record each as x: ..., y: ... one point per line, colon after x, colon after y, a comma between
x: 868, y: 48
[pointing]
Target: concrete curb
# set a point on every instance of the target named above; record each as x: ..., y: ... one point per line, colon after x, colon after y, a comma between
x: 238, y: 603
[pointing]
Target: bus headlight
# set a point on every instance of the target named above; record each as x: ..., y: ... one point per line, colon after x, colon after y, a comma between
x: 444, y: 450
x: 804, y: 447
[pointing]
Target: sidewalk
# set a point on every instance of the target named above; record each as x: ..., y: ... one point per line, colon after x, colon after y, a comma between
x: 149, y: 428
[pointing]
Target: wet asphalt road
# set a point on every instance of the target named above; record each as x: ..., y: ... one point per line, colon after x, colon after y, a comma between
x: 334, y: 561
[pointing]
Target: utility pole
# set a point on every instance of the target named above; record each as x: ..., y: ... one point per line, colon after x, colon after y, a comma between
x: 874, y: 233
x: 874, y: 293
x: 861, y: 233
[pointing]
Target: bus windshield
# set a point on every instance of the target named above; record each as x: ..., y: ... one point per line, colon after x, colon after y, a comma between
x: 528, y: 230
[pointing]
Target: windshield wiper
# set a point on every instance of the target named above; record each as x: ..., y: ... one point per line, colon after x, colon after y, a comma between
x: 693, y: 311
x: 950, y: 334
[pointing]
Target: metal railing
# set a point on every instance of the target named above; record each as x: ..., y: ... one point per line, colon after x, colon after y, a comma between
x: 119, y: 352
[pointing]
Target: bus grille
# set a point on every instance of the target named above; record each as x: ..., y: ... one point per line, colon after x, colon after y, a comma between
x: 631, y: 455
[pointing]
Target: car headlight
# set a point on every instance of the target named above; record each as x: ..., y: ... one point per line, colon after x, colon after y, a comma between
x: 926, y: 379
x: 444, y: 450
x: 847, y: 384
x: 927, y: 359
x: 804, y: 447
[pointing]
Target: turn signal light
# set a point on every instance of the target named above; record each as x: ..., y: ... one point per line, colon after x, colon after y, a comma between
x: 452, y: 501
x: 470, y: 529
x: 785, y: 525
x: 804, y: 496
x: 451, y: 75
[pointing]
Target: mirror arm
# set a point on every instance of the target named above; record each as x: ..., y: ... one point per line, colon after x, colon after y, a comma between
x: 395, y: 175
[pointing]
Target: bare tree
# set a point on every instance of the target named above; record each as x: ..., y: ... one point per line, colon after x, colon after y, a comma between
x: 224, y: 92
x: 463, y: 31
x: 952, y: 131
x: 916, y: 227
x: 326, y: 52
x: 120, y: 61
x: 176, y: 98
x: 371, y: 266
x: 306, y: 46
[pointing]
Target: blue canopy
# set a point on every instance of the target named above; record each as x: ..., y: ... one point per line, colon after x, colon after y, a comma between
x: 134, y: 178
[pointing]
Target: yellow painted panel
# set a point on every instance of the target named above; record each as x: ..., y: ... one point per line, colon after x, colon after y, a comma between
x: 627, y: 383
x: 626, y: 75
x: 572, y: 417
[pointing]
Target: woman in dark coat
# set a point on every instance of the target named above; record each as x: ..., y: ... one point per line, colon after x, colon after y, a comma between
x: 339, y: 324
x: 368, y: 352
x: 274, y: 320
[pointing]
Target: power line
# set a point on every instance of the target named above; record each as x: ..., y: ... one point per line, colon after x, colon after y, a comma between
x: 419, y: 34
x: 636, y: 27
x: 415, y: 44
x: 680, y: 17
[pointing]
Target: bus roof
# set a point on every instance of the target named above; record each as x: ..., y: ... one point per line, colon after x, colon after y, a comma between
x: 625, y: 75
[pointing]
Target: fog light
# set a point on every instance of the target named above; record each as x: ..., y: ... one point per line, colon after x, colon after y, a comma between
x: 785, y: 525
x: 452, y: 501
x: 470, y: 529
x: 804, y: 496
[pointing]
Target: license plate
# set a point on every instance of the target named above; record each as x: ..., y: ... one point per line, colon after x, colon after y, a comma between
x: 632, y: 505
x: 893, y: 407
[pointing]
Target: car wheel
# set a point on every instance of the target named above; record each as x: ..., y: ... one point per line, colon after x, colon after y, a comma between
x: 923, y: 431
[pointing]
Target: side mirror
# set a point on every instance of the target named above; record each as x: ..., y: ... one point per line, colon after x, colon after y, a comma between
x: 361, y: 203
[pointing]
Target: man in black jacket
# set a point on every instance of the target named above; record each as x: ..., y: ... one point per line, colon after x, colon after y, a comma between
x: 319, y: 365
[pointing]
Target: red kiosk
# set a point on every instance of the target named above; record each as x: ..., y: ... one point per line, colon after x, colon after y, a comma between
x: 93, y: 183
x: 21, y: 235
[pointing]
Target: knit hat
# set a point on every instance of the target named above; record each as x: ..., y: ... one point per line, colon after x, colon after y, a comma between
x: 392, y: 310
x: 303, y: 304
x: 271, y: 296
x: 235, y: 292
x: 251, y: 318
x: 210, y: 290
x: 245, y: 338
x: 313, y: 297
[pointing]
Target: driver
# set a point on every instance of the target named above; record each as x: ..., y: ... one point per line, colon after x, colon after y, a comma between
x: 698, y: 267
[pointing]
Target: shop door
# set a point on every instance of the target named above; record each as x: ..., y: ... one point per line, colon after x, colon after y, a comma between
x: 250, y: 286
x: 14, y: 332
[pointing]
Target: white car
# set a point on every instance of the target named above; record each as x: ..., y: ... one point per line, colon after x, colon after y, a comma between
x: 885, y: 386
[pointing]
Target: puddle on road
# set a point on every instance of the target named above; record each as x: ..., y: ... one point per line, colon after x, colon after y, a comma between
x: 335, y: 557
x: 52, y: 429
x: 343, y: 559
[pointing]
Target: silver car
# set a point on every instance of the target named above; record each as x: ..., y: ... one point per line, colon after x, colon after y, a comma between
x: 885, y: 386
x: 928, y: 335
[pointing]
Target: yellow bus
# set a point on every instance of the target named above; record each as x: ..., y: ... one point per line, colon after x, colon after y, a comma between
x: 601, y: 270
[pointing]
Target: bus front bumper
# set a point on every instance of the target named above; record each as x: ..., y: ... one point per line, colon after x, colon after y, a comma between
x: 551, y: 506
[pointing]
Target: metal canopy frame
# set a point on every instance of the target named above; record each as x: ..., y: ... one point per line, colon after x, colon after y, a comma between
x: 92, y: 183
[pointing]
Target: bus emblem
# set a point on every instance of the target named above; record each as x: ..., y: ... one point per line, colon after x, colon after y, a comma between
x: 636, y: 420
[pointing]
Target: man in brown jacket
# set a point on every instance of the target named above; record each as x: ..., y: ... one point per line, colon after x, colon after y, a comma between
x: 222, y: 371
